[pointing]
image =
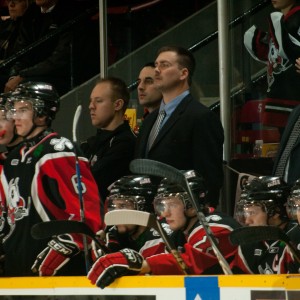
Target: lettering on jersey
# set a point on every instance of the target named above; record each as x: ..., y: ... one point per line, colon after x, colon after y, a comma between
x: 29, y: 160
x: 257, y: 252
x: 75, y: 183
x: 14, y: 162
x: 61, y: 144
x: 17, y: 209
x: 273, y: 250
x: 214, y: 218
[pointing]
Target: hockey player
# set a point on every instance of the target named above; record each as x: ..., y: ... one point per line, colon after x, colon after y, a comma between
x: 173, y: 204
x: 134, y: 192
x: 40, y: 184
x: 293, y: 210
x: 263, y: 203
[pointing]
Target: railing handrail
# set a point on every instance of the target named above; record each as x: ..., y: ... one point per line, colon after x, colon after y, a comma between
x: 212, y: 36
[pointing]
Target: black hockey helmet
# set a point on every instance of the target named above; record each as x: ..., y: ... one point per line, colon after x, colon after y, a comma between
x: 269, y: 192
x: 293, y: 203
x: 43, y: 96
x: 167, y: 189
x: 132, y: 192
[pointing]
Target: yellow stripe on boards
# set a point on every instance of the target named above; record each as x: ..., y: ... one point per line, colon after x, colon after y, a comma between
x: 83, y: 282
x: 278, y: 281
x: 149, y: 282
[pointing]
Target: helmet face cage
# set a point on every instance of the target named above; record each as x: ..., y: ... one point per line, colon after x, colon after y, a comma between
x: 246, y: 209
x: 293, y: 203
x: 270, y: 193
x: 165, y: 201
x: 125, y: 202
x: 43, y: 97
x: 134, y: 191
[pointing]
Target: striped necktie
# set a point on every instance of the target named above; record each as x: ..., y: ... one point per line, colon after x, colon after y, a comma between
x: 295, y: 133
x: 156, y: 127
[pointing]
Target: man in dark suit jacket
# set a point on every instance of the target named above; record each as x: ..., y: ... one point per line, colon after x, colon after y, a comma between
x: 292, y: 166
x: 191, y: 136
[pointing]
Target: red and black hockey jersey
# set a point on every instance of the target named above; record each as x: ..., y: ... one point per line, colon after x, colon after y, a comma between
x: 197, y: 252
x: 40, y: 184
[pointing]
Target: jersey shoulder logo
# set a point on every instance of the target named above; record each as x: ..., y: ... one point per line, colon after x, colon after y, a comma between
x: 60, y: 144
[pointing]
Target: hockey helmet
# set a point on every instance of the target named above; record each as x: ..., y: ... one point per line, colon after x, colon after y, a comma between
x: 3, y: 101
x: 43, y: 96
x: 293, y: 203
x: 268, y: 192
x: 131, y: 192
x: 168, y: 189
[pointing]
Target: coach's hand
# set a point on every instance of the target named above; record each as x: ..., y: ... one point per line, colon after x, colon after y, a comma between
x: 59, y: 251
x: 111, y: 266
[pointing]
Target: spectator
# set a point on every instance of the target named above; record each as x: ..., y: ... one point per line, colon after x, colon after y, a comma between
x: 41, y: 185
x: 50, y: 61
x: 112, y: 148
x: 191, y: 136
x: 9, y: 30
x: 278, y: 49
x: 293, y: 210
x: 173, y: 204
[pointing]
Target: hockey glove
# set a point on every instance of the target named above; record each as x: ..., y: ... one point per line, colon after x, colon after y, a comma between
x: 111, y: 266
x: 59, y: 251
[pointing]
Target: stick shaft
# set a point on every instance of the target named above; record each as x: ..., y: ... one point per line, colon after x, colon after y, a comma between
x: 155, y: 168
x: 79, y: 184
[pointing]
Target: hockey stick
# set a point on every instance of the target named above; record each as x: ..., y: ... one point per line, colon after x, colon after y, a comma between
x: 155, y: 168
x: 79, y: 184
x: 48, y: 229
x: 141, y: 218
x: 251, y: 234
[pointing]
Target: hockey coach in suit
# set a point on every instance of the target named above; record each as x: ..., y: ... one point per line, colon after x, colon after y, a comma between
x: 182, y: 132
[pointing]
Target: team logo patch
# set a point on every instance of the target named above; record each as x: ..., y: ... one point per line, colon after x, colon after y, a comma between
x: 61, y: 144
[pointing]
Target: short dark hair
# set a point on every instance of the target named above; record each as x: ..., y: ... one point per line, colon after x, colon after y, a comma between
x: 119, y: 89
x: 149, y: 64
x: 185, y: 58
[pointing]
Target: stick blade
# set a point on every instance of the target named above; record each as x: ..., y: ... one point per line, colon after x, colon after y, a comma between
x: 156, y: 168
x: 48, y: 229
x: 252, y: 234
x: 127, y: 217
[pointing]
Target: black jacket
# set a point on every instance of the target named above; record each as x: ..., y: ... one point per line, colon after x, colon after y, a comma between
x: 109, y: 154
x: 192, y: 138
